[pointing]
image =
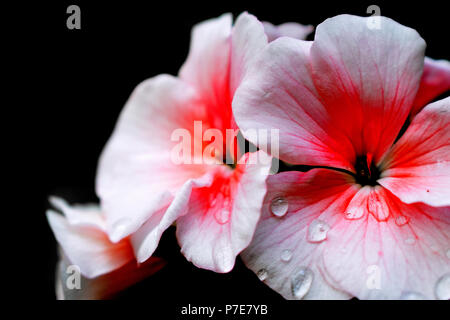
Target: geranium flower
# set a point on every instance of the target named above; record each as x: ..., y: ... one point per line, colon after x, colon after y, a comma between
x: 105, y: 268
x: 143, y: 190
x: 371, y: 218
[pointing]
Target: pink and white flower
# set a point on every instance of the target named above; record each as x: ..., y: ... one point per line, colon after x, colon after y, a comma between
x: 371, y: 218
x: 143, y: 191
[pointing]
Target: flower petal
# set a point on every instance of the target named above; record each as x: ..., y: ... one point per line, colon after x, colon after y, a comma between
x: 417, y: 168
x: 393, y: 259
x: 88, y: 247
x: 287, y: 29
x: 247, y: 40
x: 80, y: 215
x: 222, y: 217
x: 208, y: 63
x: 145, y: 240
x: 404, y: 253
x: 137, y: 175
x: 105, y: 286
x: 367, y: 77
x: 278, y: 94
x: 435, y: 81
x: 280, y: 248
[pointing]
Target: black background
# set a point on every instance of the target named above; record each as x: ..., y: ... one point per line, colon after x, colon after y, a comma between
x: 72, y: 85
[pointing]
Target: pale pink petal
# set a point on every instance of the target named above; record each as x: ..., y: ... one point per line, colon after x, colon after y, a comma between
x: 222, y: 217
x: 247, y: 40
x: 417, y: 168
x: 137, y: 175
x: 367, y: 77
x: 278, y: 94
x: 403, y: 257
x: 80, y: 214
x: 435, y: 81
x: 287, y: 29
x: 106, y: 286
x: 145, y: 240
x: 208, y: 63
x: 280, y: 250
x: 345, y: 250
x: 89, y: 247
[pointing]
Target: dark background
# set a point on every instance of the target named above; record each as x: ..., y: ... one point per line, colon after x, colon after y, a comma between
x: 73, y: 84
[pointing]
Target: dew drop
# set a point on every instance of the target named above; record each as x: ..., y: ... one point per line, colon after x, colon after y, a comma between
x: 354, y: 213
x: 442, y: 287
x: 279, y: 207
x: 410, y: 241
x: 317, y: 231
x: 286, y: 255
x: 301, y: 282
x: 262, y: 274
x: 222, y: 216
x: 401, y: 220
x: 411, y: 295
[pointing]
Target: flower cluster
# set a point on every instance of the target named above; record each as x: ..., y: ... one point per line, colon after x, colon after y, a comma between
x: 363, y: 208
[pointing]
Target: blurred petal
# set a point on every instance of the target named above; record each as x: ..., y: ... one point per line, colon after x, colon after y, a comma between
x: 107, y: 285
x: 288, y: 29
x: 435, y: 81
x: 89, y: 247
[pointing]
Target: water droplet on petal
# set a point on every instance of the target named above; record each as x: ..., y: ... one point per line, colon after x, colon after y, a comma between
x: 301, y: 282
x: 317, y: 231
x: 401, y: 220
x: 279, y: 207
x: 286, y: 255
x: 410, y: 241
x: 442, y: 287
x: 262, y: 274
x: 222, y: 216
x: 354, y: 213
x: 410, y: 295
